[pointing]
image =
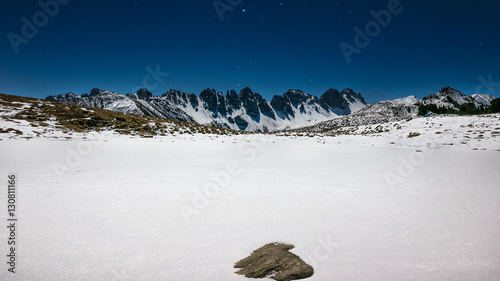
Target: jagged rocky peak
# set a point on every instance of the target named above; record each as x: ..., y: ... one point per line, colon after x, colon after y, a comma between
x: 144, y: 94
x: 333, y: 98
x: 332, y: 91
x: 297, y: 97
x: 349, y: 91
x: 68, y: 97
x: 96, y: 92
x: 296, y: 94
x: 447, y: 97
x: 352, y: 96
x: 173, y: 92
x: 180, y: 98
x: 340, y: 100
x: 449, y: 91
x: 264, y: 107
x: 282, y: 107
x: 245, y: 110
x: 250, y: 101
x: 233, y: 100
x: 212, y: 100
x: 246, y: 93
x: 208, y: 95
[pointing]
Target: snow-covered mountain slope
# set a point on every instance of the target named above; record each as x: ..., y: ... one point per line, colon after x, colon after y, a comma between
x: 483, y: 99
x: 401, y: 107
x: 29, y: 118
x: 246, y: 111
x: 113, y: 101
x: 450, y: 98
x: 381, y: 112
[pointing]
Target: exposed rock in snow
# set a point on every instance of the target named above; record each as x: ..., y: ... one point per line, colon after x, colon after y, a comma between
x: 274, y: 260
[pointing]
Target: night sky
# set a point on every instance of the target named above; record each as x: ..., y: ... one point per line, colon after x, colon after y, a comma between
x: 270, y: 46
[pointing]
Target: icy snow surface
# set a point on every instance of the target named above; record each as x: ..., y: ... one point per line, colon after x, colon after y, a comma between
x: 188, y: 207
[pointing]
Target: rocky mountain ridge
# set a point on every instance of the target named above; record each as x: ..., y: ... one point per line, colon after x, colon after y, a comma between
x: 246, y: 110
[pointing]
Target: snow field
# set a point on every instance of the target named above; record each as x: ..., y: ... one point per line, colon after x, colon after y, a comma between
x: 188, y: 209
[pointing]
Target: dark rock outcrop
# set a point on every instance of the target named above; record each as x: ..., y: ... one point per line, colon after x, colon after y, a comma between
x: 144, y: 94
x: 274, y: 260
x: 95, y: 92
x: 333, y: 98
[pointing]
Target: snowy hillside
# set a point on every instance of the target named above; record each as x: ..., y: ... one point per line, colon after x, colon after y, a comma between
x: 29, y: 118
x: 381, y: 112
x: 482, y: 99
x: 449, y: 98
x: 246, y: 111
x: 464, y: 132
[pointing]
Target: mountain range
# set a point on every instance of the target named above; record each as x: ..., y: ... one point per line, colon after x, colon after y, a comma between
x: 404, y: 108
x: 246, y: 110
x: 249, y: 111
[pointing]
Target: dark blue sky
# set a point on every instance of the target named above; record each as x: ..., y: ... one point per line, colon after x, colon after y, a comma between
x: 270, y: 46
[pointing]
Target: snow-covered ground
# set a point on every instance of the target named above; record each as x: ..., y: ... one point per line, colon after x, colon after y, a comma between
x: 188, y: 207
x: 406, y: 200
x: 480, y: 132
